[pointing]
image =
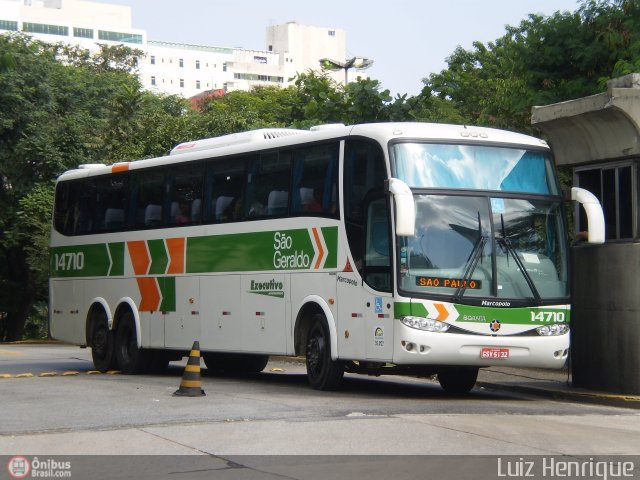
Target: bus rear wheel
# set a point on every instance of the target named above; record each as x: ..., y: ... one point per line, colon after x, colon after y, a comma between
x: 131, y: 359
x: 102, y: 349
x: 458, y: 380
x: 323, y: 372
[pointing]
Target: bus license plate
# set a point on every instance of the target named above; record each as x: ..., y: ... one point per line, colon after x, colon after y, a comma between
x: 494, y: 353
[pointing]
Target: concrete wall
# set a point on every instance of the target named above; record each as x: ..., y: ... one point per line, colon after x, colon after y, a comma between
x: 605, y: 320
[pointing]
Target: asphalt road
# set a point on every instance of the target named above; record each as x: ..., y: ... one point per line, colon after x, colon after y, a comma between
x: 70, y: 411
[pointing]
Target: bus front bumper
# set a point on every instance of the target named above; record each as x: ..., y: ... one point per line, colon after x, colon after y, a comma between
x: 418, y: 347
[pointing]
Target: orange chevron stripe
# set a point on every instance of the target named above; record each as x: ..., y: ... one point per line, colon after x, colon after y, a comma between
x: 442, y: 312
x: 319, y: 244
x: 150, y: 294
x: 175, y: 246
x: 139, y: 257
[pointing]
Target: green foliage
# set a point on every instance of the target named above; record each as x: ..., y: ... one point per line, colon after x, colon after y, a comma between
x: 543, y: 60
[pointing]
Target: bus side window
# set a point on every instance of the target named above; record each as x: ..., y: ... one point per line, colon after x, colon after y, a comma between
x: 111, y: 195
x: 149, y: 199
x: 268, y: 185
x: 315, y: 174
x: 224, y: 188
x: 185, y: 193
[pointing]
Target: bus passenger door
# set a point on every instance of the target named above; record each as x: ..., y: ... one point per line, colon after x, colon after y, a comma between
x: 377, y: 276
x: 365, y: 329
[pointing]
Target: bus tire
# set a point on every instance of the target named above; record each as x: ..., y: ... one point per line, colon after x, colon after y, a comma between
x: 458, y: 380
x: 102, y: 344
x: 323, y: 373
x: 131, y: 359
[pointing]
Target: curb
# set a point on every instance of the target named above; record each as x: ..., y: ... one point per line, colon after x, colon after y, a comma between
x: 598, y: 398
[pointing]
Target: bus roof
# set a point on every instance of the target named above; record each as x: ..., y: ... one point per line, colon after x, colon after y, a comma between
x: 238, y: 143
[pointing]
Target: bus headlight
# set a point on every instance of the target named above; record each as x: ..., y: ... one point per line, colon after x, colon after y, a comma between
x: 427, y: 324
x: 553, y: 330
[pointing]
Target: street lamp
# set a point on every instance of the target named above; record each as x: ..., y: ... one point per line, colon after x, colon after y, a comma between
x: 358, y: 63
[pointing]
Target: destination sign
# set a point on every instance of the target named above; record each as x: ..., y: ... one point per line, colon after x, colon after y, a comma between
x: 440, y: 282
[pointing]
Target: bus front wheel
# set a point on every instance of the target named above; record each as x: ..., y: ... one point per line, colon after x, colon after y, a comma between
x: 131, y: 359
x: 458, y: 380
x: 323, y: 372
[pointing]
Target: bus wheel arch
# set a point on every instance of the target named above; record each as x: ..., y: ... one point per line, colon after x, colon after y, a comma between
x: 131, y: 358
x: 316, y: 340
x: 311, y: 306
x: 100, y: 337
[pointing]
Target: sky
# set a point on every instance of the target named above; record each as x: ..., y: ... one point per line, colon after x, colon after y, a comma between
x: 406, y: 39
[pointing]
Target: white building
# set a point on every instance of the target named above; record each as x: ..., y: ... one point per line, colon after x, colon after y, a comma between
x: 176, y: 68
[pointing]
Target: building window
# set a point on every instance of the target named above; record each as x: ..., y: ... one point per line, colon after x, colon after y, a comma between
x: 182, y: 83
x: 83, y: 32
x: 271, y: 48
x: 153, y: 60
x: 119, y: 37
x: 198, y: 84
x: 8, y: 25
x: 153, y: 80
x: 332, y: 33
x: 181, y: 62
x: 224, y: 67
x: 197, y: 64
x: 44, y: 28
x: 613, y: 185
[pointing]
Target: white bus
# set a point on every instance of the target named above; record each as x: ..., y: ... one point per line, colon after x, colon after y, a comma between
x: 406, y: 248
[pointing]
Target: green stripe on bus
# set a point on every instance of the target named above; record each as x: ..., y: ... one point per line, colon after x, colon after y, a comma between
x: 159, y: 257
x: 117, y: 259
x: 167, y: 287
x: 260, y: 251
x: 471, y: 313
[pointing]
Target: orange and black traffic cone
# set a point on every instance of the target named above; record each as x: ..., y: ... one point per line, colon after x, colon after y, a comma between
x: 191, y: 386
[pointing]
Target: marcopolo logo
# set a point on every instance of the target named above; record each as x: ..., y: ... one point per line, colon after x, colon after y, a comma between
x: 271, y: 288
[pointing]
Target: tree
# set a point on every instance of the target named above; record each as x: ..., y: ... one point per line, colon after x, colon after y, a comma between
x: 59, y: 109
x: 543, y: 60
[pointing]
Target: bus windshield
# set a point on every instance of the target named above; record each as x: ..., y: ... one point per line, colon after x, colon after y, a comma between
x: 429, y: 165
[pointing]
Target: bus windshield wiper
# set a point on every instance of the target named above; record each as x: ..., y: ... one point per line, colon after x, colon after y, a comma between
x: 472, y: 263
x: 506, y: 243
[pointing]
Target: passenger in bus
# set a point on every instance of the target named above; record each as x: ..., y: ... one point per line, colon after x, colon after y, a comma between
x: 183, y: 214
x: 315, y: 204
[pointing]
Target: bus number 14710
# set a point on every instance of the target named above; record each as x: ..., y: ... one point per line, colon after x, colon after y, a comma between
x: 548, y: 317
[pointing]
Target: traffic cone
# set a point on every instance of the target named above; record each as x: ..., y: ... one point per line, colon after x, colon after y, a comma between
x: 191, y: 386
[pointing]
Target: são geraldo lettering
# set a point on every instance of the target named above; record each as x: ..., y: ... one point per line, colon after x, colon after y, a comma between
x: 283, y: 258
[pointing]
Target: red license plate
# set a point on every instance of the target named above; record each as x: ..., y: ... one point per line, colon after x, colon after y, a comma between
x: 494, y: 353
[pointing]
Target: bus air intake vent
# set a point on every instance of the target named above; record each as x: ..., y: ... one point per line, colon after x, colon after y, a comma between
x: 235, y: 139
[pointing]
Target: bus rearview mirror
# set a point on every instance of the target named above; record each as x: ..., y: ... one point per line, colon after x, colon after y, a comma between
x: 593, y: 210
x: 405, y: 207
